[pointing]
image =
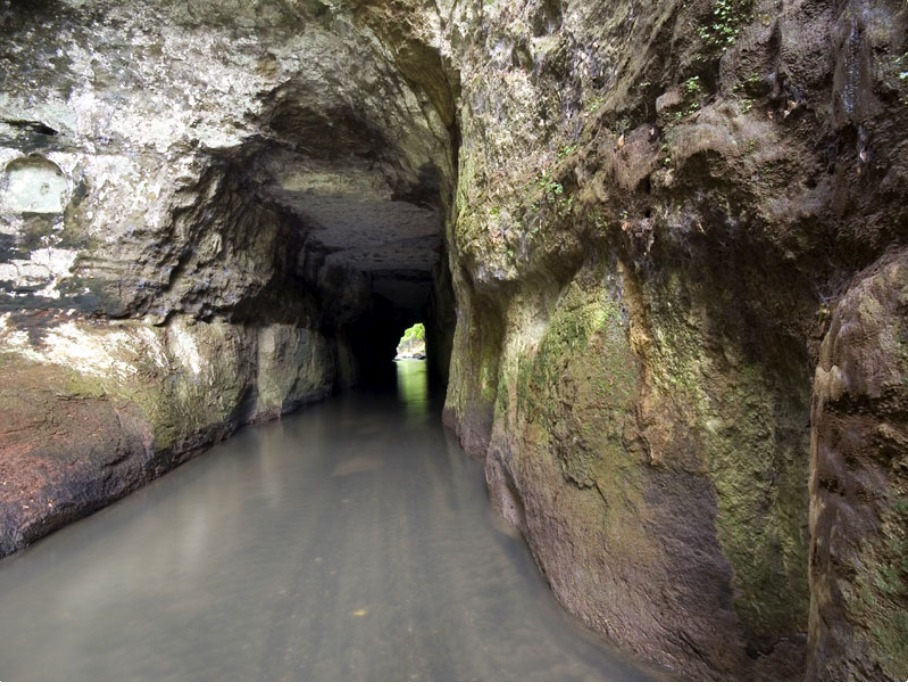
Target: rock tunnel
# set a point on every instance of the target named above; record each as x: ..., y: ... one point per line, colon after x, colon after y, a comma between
x: 212, y: 215
x: 362, y: 222
x: 308, y: 183
x: 659, y: 250
x: 365, y: 187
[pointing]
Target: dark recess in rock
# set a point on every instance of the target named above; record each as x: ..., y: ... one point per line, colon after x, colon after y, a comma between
x: 659, y: 250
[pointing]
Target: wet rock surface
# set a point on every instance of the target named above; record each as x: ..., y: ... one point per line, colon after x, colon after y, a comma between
x: 63, y: 455
x: 92, y: 412
x: 662, y: 248
x: 660, y: 210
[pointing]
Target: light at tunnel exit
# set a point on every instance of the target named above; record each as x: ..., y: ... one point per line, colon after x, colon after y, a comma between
x: 412, y: 345
x: 413, y: 386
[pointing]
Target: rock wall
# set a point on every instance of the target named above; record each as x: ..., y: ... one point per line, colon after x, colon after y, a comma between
x: 674, y: 299
x: 662, y: 212
x: 155, y: 156
x: 859, y: 455
x: 94, y: 410
x: 194, y: 202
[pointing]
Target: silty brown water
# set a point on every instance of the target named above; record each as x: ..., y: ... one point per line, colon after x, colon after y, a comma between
x: 352, y: 541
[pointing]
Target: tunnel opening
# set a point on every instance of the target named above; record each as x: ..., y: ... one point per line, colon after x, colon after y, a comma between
x: 412, y: 344
x: 414, y: 391
x: 367, y: 200
x: 377, y: 339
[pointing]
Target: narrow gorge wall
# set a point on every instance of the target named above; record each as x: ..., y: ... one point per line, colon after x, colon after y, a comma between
x: 664, y: 246
x: 681, y: 334
x: 210, y: 215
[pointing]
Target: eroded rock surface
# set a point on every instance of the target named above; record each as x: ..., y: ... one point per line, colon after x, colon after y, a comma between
x: 62, y: 454
x: 674, y: 311
x: 210, y: 215
x: 659, y: 208
x: 859, y: 481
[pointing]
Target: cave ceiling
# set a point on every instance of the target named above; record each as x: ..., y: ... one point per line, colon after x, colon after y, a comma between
x: 170, y: 117
x: 352, y: 216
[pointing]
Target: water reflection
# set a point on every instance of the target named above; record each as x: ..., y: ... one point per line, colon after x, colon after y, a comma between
x: 348, y: 542
x: 413, y: 386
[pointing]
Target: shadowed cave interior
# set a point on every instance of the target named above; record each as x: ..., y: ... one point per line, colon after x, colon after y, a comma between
x: 671, y: 238
x: 363, y: 224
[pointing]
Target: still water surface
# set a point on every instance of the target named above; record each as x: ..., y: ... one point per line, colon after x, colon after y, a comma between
x: 352, y: 541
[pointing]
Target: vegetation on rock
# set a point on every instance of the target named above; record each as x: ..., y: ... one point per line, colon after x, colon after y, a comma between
x: 676, y: 235
x: 413, y: 342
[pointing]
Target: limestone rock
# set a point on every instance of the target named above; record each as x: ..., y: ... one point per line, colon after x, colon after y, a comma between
x: 63, y: 454
x: 663, y: 244
x: 200, y: 207
x: 695, y: 171
x: 859, y: 470
x: 295, y: 367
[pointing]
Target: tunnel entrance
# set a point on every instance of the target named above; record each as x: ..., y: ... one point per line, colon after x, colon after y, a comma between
x: 367, y: 197
x: 413, y: 387
x: 412, y: 345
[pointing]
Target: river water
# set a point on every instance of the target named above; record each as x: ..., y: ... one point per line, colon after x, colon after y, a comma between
x: 352, y: 541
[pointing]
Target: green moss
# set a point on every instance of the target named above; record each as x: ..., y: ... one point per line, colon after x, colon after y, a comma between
x: 475, y: 362
x: 892, y: 639
x: 760, y: 483
x: 488, y: 374
x: 750, y: 429
x: 84, y: 386
x: 879, y: 598
x: 178, y: 403
x: 884, y: 597
x: 185, y: 404
x: 579, y: 387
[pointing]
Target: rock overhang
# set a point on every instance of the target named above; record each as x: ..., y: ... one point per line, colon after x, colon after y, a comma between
x: 306, y: 107
x: 353, y: 215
